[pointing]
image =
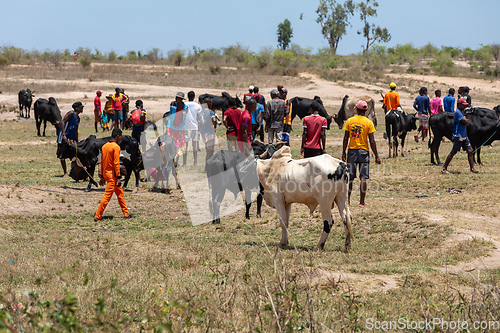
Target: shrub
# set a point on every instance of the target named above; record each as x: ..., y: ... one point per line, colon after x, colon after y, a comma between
x: 4, y: 61
x: 214, y: 70
x: 85, y: 61
x: 176, y: 56
x: 13, y: 54
x: 112, y: 56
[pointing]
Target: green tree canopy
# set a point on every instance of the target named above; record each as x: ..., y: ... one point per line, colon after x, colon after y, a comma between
x: 371, y: 32
x: 334, y: 19
x: 285, y: 34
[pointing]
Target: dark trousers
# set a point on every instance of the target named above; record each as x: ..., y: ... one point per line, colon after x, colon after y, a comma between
x: 260, y: 133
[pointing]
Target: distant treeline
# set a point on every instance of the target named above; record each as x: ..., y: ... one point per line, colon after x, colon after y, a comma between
x: 426, y: 59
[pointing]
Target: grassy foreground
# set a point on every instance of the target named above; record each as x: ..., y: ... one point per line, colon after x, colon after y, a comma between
x: 157, y: 272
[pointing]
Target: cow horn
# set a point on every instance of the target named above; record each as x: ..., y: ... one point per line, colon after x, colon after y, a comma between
x: 335, y: 116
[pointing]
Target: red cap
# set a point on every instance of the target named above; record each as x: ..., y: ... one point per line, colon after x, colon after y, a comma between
x: 462, y: 101
x: 362, y: 105
x: 98, y: 92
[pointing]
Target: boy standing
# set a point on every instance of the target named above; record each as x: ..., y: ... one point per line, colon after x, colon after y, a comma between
x: 314, y: 135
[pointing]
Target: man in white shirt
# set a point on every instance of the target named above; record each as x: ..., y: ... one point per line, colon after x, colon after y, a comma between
x: 191, y: 127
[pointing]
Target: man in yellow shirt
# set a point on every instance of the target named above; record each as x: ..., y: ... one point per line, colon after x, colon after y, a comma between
x: 110, y: 173
x: 358, y: 130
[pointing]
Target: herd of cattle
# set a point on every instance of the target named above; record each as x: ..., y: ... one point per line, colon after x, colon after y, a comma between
x: 277, y: 173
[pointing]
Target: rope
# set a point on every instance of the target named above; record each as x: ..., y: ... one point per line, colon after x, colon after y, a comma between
x: 84, y: 167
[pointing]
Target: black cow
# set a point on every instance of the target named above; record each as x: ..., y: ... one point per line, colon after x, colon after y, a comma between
x: 301, y: 106
x: 398, y: 123
x: 47, y: 110
x: 25, y: 98
x: 483, y: 129
x: 88, y: 151
x: 220, y: 102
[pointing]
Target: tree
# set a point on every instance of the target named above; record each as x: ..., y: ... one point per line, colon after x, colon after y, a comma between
x: 495, y: 51
x: 285, y: 34
x: 334, y: 19
x: 372, y: 33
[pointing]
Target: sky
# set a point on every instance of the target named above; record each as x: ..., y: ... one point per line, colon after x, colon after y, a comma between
x: 126, y: 25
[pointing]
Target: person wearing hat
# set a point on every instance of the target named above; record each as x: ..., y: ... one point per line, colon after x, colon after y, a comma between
x: 459, y: 138
x: 175, y: 122
x: 248, y: 96
x: 463, y: 92
x: 391, y: 98
x: 358, y: 132
x: 68, y: 133
x: 97, y: 110
x: 274, y: 115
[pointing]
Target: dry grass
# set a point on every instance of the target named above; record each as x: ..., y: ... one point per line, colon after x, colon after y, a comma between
x: 157, y: 271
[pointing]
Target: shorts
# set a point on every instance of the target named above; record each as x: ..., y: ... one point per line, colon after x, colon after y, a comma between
x: 360, y: 158
x: 117, y: 114
x: 464, y: 144
x: 97, y: 116
x: 423, y: 121
x: 191, y: 135
x: 311, y: 152
x: 209, y: 140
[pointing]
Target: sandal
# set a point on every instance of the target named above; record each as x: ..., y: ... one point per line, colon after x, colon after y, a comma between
x: 445, y: 172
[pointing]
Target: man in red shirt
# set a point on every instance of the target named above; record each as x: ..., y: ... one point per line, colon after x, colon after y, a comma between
x: 314, y: 136
x: 97, y: 110
x: 248, y: 96
x: 245, y: 128
x: 118, y: 100
x: 232, y: 121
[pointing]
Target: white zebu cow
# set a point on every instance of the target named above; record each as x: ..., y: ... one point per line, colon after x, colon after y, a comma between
x: 320, y: 180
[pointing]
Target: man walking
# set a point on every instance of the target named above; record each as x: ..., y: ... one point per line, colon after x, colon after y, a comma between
x: 245, y: 127
x: 436, y: 104
x: 422, y: 105
x: 97, y: 109
x: 274, y: 115
x: 191, y: 127
x: 110, y: 173
x: 358, y: 131
x: 460, y: 139
x: 231, y: 120
x: 68, y: 133
x: 314, y: 135
x: 287, y: 121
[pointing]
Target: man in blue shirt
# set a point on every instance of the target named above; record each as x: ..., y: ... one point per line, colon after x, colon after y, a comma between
x: 449, y: 101
x: 460, y: 139
x: 257, y: 122
x: 68, y: 133
x: 422, y: 105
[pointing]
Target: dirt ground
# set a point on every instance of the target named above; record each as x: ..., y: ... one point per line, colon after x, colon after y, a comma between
x: 28, y: 200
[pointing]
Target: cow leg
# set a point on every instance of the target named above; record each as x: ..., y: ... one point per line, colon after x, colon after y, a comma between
x: 341, y: 201
x: 44, y: 126
x: 395, y: 145
x: 479, y: 156
x: 260, y: 196
x: 38, y: 124
x: 326, y: 214
x: 128, y: 167
x: 387, y: 135
x: 390, y: 148
x: 248, y: 203
x: 403, y: 138
x: 284, y: 214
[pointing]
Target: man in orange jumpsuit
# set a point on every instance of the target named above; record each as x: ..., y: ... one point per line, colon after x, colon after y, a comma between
x: 110, y: 172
